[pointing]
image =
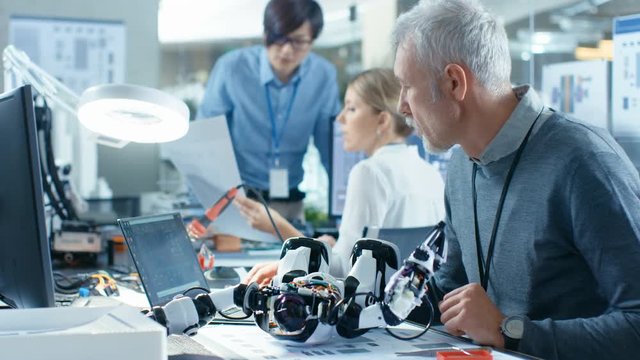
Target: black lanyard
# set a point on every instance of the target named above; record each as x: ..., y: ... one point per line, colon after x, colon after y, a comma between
x: 485, y: 266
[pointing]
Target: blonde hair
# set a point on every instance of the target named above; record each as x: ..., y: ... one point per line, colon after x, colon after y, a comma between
x: 379, y: 89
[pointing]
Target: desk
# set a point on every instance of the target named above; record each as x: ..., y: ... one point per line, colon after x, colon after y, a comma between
x: 227, y: 341
x: 246, y: 258
x: 250, y: 342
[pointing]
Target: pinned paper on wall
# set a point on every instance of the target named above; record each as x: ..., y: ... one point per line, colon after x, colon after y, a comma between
x: 578, y: 88
x: 625, y: 99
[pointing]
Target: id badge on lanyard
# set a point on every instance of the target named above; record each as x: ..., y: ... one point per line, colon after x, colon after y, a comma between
x: 278, y: 183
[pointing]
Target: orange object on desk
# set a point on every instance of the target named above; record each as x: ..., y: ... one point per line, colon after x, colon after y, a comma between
x: 205, y: 258
x: 227, y: 243
x: 475, y: 354
x: 119, y: 244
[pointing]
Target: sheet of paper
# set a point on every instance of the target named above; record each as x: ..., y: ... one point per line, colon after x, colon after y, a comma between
x: 206, y: 159
x: 250, y: 342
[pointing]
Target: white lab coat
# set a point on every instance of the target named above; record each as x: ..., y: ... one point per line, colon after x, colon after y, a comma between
x: 392, y: 188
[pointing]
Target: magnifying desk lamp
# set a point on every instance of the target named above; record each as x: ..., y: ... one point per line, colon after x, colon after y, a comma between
x: 117, y: 113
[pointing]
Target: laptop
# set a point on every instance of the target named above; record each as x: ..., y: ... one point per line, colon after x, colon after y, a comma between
x: 163, y: 255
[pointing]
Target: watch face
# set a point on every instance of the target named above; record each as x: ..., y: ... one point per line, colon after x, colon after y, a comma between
x: 514, y: 328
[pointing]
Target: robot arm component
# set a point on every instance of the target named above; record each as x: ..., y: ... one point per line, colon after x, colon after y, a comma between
x: 305, y: 304
x: 407, y: 287
x: 300, y: 256
x: 185, y: 315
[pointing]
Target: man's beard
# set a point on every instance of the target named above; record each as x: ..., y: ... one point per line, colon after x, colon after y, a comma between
x: 430, y: 147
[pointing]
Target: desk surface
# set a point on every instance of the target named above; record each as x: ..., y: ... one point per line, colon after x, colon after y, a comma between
x: 246, y: 258
x: 250, y: 342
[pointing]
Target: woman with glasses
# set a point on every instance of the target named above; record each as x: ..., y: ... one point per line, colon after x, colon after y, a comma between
x: 275, y: 97
x: 393, y: 187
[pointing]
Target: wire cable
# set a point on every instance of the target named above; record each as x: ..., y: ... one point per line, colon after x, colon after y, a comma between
x: 43, y: 122
x: 66, y: 284
x: 333, y: 314
x: 221, y: 312
x: 10, y: 303
x: 99, y: 281
x: 53, y: 171
x: 426, y: 327
x: 266, y: 207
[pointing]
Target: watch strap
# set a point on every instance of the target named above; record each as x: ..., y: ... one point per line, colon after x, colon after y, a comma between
x: 510, y: 343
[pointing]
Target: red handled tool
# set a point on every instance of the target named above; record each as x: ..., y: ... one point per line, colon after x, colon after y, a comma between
x: 199, y: 225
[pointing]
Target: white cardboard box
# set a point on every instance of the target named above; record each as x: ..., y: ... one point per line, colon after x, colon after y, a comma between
x: 95, y: 333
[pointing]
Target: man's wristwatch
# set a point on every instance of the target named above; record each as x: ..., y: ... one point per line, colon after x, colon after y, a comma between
x: 512, y: 329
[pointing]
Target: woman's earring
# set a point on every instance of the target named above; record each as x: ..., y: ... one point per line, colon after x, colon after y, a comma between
x: 378, y: 133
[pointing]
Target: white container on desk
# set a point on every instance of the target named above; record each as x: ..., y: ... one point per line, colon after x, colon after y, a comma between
x: 97, y: 333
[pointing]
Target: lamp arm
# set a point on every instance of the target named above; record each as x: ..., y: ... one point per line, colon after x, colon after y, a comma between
x: 17, y: 63
x: 140, y: 114
x: 19, y: 68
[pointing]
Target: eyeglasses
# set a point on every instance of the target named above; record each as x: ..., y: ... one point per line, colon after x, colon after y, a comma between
x: 296, y: 43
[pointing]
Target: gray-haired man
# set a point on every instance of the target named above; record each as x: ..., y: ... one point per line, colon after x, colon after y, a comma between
x: 543, y: 211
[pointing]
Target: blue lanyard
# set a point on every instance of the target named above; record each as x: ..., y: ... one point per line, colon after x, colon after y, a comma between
x: 275, y: 139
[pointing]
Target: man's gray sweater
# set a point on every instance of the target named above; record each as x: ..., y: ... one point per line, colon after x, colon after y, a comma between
x: 567, y: 251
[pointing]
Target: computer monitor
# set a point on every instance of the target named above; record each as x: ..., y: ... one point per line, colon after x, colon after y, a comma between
x: 26, y: 279
x: 340, y: 166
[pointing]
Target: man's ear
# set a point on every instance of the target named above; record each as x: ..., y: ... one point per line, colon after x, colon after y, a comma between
x: 455, y: 81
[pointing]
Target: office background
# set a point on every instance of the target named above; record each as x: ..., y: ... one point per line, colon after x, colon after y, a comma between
x: 172, y: 44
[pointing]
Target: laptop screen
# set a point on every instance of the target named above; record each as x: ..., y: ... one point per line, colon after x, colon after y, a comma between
x: 163, y: 254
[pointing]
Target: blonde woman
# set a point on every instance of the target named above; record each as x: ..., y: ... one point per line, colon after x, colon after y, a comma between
x: 392, y: 187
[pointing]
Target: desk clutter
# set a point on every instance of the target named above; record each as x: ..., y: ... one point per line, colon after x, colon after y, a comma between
x: 91, y: 296
x: 73, y: 288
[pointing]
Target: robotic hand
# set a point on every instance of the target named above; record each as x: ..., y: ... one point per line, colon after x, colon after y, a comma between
x: 405, y: 290
x: 305, y: 304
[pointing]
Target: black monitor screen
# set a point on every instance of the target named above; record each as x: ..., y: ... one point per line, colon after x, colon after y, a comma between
x: 341, y: 164
x: 25, y: 261
x: 163, y: 254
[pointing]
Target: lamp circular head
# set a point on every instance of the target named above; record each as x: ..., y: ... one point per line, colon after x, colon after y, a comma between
x: 133, y: 113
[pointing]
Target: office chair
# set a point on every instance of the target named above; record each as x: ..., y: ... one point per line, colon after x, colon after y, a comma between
x: 407, y: 239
